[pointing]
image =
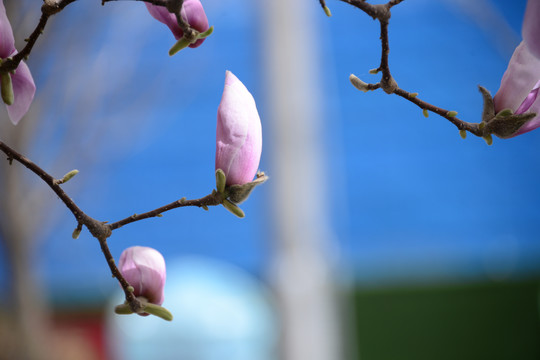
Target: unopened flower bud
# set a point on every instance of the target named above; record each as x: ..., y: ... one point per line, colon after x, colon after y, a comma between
x: 192, y: 12
x: 238, y: 133
x: 144, y: 269
x: 521, y: 81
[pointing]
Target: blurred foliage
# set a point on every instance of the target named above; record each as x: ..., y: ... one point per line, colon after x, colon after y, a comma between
x: 489, y: 320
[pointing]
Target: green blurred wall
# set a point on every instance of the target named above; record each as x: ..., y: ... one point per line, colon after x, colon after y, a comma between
x: 490, y: 320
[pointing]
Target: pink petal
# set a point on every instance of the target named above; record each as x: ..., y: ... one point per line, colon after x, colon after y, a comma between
x: 238, y: 133
x: 522, y: 74
x: 532, y: 104
x: 23, y: 91
x: 7, y: 42
x: 163, y: 15
x: 529, y: 100
x: 531, y: 27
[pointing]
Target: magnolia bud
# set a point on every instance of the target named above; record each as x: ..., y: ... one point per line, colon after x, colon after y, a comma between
x: 238, y: 134
x: 192, y: 12
x: 144, y: 269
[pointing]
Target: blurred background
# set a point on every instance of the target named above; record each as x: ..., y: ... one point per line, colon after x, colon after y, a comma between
x: 381, y: 234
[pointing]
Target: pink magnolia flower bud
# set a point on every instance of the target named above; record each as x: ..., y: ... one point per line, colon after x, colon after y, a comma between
x: 192, y: 12
x: 519, y: 87
x: 521, y: 81
x: 239, y: 133
x: 22, y: 82
x: 144, y: 269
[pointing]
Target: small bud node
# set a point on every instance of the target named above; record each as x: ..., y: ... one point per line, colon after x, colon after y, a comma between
x: 359, y: 84
x: 327, y: 11
x: 69, y: 176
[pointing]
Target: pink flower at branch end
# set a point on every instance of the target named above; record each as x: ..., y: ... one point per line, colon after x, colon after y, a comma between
x: 521, y: 81
x: 238, y: 134
x: 192, y: 12
x: 519, y: 88
x: 144, y: 269
x: 22, y: 81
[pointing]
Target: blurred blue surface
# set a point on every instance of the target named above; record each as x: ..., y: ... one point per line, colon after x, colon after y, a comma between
x: 219, y: 311
x: 411, y: 200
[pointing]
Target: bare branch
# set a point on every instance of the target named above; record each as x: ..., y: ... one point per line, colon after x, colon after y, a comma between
x: 387, y: 83
x: 48, y: 9
x: 100, y: 230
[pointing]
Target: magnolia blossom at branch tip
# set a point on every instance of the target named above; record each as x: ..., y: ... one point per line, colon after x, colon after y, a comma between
x: 19, y: 92
x: 238, y: 133
x: 519, y: 89
x: 144, y: 269
x: 192, y: 12
x: 520, y: 83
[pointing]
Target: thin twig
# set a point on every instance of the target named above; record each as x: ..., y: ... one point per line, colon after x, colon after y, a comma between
x: 212, y: 199
x: 48, y: 9
x: 100, y: 230
x: 134, y: 304
x: 382, y: 13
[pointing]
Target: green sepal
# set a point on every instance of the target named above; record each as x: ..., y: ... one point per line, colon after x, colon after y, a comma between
x: 7, y: 89
x: 158, y: 311
x: 504, y: 113
x: 425, y: 112
x: 233, y: 208
x: 463, y: 134
x: 221, y: 181
x: 207, y: 33
x: 123, y: 309
x: 506, y: 126
x: 239, y: 193
x: 182, y: 43
x: 488, y: 111
x: 488, y: 139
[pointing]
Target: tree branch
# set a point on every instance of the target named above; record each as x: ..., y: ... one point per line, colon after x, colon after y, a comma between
x: 49, y: 8
x: 381, y: 12
x: 212, y: 199
x: 100, y: 230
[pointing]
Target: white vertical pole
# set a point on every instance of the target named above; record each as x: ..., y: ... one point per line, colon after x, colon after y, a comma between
x: 302, y: 263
